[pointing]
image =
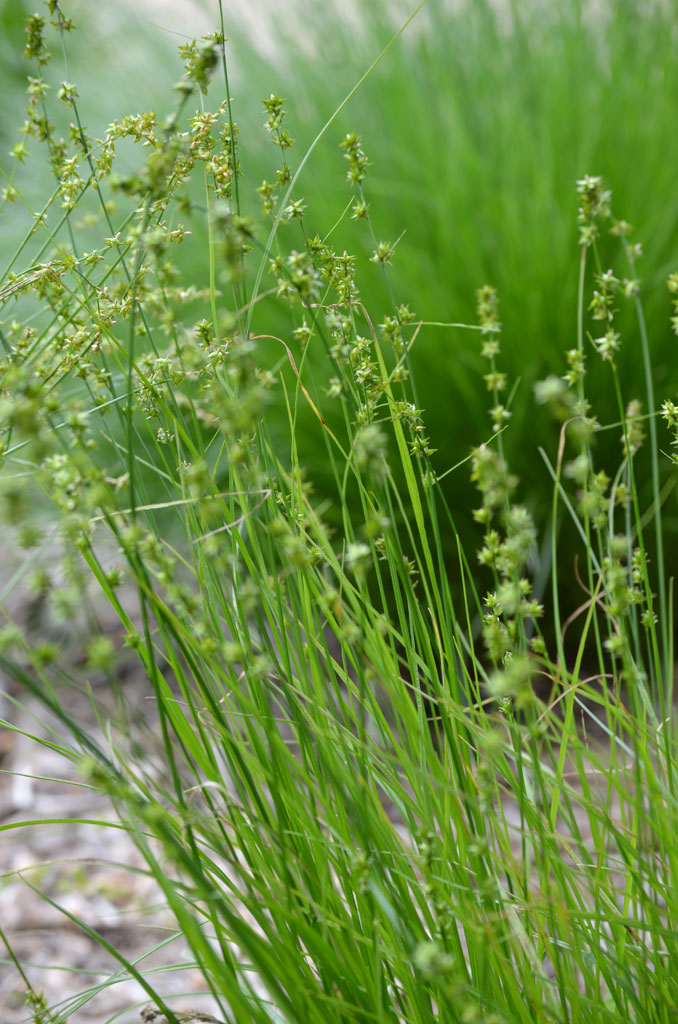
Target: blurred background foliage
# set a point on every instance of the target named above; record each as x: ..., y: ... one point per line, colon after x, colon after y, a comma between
x: 477, y: 124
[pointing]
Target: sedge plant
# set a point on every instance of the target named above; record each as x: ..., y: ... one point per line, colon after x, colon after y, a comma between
x: 379, y: 788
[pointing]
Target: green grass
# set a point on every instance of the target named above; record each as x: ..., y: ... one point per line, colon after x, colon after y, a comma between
x: 401, y: 779
x: 476, y: 126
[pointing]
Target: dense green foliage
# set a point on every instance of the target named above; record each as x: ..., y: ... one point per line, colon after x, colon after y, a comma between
x: 402, y: 777
x: 475, y: 128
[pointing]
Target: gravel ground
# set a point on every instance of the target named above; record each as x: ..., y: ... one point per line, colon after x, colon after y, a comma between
x: 92, y: 870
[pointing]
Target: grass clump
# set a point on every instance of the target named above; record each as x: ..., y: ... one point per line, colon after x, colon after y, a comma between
x: 377, y: 788
x: 474, y: 154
